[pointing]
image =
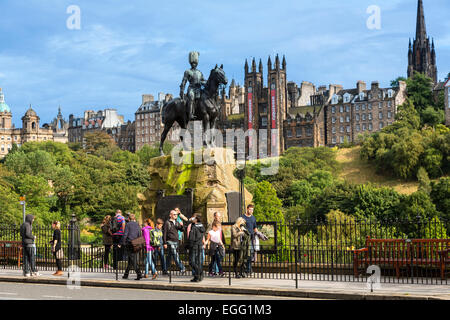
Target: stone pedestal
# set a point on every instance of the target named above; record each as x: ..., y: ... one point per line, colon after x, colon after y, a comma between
x: 209, y: 172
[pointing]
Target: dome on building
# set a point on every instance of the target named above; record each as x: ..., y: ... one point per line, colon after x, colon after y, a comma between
x: 3, y: 106
x: 30, y: 113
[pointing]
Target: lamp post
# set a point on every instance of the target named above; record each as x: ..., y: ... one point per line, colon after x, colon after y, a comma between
x: 23, y: 203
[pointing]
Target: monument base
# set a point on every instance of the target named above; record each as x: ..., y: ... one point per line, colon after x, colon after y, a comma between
x: 208, y: 172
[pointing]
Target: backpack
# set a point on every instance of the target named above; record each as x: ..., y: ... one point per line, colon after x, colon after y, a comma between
x: 115, y: 225
x: 154, y: 238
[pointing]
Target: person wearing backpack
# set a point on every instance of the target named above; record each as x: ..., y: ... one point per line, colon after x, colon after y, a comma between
x: 107, y: 239
x: 146, y: 232
x: 156, y: 239
x: 118, y: 230
x: 195, y: 238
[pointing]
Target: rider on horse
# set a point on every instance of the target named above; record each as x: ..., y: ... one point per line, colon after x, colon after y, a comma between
x: 196, y: 80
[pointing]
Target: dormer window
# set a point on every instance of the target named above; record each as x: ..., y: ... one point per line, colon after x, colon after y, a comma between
x: 335, y: 99
x: 347, y: 97
x: 361, y: 96
x: 390, y: 93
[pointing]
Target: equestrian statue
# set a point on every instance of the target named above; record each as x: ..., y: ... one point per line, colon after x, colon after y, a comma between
x: 200, y: 103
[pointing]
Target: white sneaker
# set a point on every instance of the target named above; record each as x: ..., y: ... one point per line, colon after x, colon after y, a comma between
x: 36, y: 274
x: 27, y: 275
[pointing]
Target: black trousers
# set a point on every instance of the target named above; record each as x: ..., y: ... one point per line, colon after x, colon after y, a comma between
x: 195, y: 258
x: 132, y: 261
x: 238, y: 264
x: 116, y: 251
x: 107, y: 251
x: 58, y: 262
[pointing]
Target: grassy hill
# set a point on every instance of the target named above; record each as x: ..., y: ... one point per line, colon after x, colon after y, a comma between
x: 359, y: 171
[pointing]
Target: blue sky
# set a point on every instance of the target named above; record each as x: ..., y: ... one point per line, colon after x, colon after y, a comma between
x: 127, y: 48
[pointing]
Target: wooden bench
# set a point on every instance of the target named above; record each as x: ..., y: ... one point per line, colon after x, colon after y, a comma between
x: 11, y: 249
x: 403, y: 252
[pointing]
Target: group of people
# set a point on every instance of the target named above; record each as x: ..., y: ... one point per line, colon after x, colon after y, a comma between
x: 163, y: 239
x: 29, y: 247
x: 161, y: 242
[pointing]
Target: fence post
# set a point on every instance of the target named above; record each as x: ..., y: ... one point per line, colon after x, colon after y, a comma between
x: 296, y: 275
x: 229, y: 266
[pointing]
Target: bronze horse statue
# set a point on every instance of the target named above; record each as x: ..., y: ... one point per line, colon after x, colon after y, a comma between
x: 206, y: 107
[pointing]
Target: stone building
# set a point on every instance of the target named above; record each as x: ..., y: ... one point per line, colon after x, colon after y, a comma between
x: 148, y: 122
x: 93, y: 121
x: 124, y: 136
x: 30, y: 131
x: 60, y: 128
x: 266, y: 106
x: 305, y: 124
x: 421, y: 55
x: 351, y: 112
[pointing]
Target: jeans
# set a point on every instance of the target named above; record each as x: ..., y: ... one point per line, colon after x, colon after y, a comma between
x: 202, y: 259
x: 162, y: 258
x: 250, y: 257
x: 29, y: 260
x: 149, y: 262
x: 216, y: 262
x: 173, y: 251
x: 195, y: 258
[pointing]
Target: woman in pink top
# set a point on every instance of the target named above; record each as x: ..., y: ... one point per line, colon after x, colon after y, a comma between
x: 149, y: 259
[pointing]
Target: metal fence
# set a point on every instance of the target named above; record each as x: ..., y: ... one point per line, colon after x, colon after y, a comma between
x: 334, y: 250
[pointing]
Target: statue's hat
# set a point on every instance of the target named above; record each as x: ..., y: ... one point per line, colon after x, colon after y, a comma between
x: 193, y: 57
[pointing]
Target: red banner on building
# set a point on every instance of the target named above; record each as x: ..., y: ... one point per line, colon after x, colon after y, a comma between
x: 250, y: 110
x: 273, y: 104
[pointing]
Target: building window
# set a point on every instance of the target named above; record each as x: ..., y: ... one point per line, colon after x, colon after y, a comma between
x: 357, y: 107
x: 369, y: 116
x: 363, y: 107
x: 358, y: 128
x: 347, y: 108
x: 333, y: 130
x: 380, y: 115
x: 347, y: 119
x: 333, y: 109
x: 348, y: 128
x: 341, y: 109
x: 364, y: 127
x: 380, y: 105
x: 357, y: 117
x: 370, y: 127
x: 341, y: 129
x: 333, y: 120
x: 381, y: 125
x: 363, y: 117
x: 389, y: 115
x: 333, y: 140
x: 389, y: 104
x: 369, y: 106
x: 299, y: 132
x: 341, y: 119
x: 289, y: 133
x: 341, y: 139
x: 309, y: 131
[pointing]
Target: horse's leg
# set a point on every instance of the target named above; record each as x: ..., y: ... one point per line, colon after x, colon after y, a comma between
x: 212, y: 126
x: 167, y: 126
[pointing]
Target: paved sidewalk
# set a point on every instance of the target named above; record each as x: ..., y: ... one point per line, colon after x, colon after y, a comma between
x: 272, y: 287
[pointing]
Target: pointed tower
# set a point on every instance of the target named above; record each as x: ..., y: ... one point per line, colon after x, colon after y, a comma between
x: 277, y: 86
x: 422, y: 57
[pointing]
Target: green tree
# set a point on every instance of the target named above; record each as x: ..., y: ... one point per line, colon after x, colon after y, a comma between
x: 268, y: 207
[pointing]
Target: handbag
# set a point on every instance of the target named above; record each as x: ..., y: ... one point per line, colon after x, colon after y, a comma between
x: 60, y: 254
x: 138, y: 243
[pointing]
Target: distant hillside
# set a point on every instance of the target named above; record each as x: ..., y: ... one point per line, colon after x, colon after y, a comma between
x: 359, y: 171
